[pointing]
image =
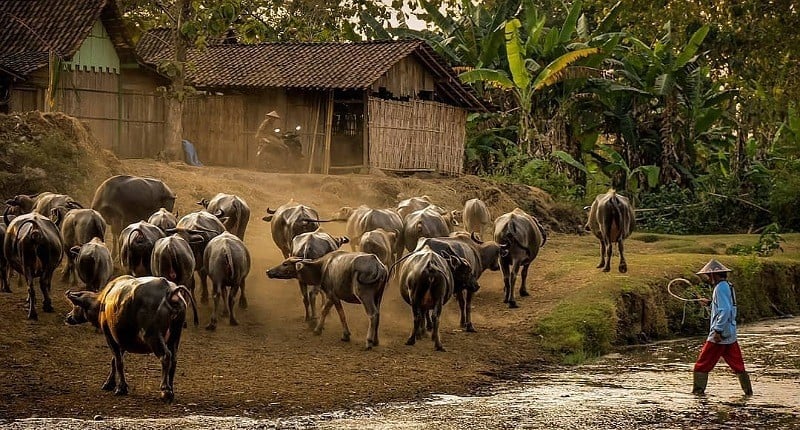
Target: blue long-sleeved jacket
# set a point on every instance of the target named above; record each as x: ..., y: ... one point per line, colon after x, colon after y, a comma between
x: 723, y: 313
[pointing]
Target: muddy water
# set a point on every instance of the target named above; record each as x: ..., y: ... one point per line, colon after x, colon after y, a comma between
x: 639, y: 388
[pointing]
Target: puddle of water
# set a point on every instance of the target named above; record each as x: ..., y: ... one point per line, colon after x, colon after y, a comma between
x: 644, y: 387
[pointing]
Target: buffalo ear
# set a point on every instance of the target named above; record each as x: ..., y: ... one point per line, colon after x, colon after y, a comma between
x: 74, y: 251
x: 196, y: 238
x: 345, y: 239
x: 299, y: 266
x: 74, y: 298
x: 267, y: 218
x: 55, y: 216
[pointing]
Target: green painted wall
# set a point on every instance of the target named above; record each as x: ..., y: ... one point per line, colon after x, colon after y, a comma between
x: 97, y: 53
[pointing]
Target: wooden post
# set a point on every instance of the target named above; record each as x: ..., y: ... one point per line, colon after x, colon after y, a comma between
x: 313, y: 149
x: 326, y: 162
x: 365, y: 133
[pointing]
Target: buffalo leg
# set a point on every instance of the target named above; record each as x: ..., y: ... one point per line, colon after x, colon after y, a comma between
x: 215, y: 293
x: 111, y: 381
x: 523, y: 287
x: 512, y: 279
x: 68, y: 269
x: 462, y: 307
x: 119, y: 367
x: 325, y: 311
x: 242, y: 298
x: 602, y: 254
x: 623, y: 265
x: 609, y: 252
x: 343, y: 320
x: 306, y: 302
x: 159, y: 347
x: 224, y: 293
x: 374, y: 318
x: 172, y: 344
x: 4, y: 279
x: 428, y: 322
x: 44, y: 285
x: 231, y: 301
x: 203, y: 285
x: 505, y: 269
x: 416, y: 313
x: 468, y: 327
x: 437, y: 341
x: 32, y: 314
x: 312, y: 301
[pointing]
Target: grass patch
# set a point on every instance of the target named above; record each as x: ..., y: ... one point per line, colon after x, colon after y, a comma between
x: 579, y: 329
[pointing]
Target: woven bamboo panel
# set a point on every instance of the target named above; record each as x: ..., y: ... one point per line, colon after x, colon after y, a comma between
x: 416, y: 135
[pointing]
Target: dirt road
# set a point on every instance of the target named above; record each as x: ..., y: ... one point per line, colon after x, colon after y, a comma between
x: 272, y: 364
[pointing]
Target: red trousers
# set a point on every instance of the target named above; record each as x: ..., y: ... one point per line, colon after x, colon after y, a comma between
x: 711, y: 352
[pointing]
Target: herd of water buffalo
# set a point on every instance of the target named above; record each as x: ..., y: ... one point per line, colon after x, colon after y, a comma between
x: 144, y: 311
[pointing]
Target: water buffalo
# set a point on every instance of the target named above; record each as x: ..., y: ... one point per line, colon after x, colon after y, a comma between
x: 193, y: 227
x: 93, y: 263
x: 124, y: 200
x: 32, y: 247
x: 353, y: 277
x: 480, y: 256
x: 423, y: 223
x: 413, y: 204
x: 228, y: 263
x: 173, y: 259
x: 381, y: 243
x: 21, y: 204
x: 163, y: 219
x: 140, y: 316
x: 288, y: 221
x: 363, y: 219
x: 310, y: 246
x: 4, y: 287
x: 524, y: 236
x: 611, y: 220
x: 476, y: 216
x: 55, y: 206
x: 138, y: 241
x: 232, y: 211
x: 426, y: 283
x: 79, y: 227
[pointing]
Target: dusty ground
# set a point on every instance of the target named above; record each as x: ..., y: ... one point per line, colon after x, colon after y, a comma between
x: 271, y: 364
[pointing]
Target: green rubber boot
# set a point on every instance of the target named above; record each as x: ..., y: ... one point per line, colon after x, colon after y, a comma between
x: 700, y: 382
x: 744, y: 381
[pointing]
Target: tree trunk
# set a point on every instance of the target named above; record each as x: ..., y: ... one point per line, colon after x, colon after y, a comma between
x: 174, y: 127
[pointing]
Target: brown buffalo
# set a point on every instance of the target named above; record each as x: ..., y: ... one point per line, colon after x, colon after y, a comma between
x: 163, y: 219
x: 476, y: 216
x: 93, y: 263
x: 80, y: 226
x: 227, y: 261
x: 232, y: 210
x: 288, y: 221
x: 524, y: 236
x: 611, y: 220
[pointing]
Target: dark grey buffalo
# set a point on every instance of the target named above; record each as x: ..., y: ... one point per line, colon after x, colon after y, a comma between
x: 32, y: 247
x: 423, y: 223
x: 476, y: 216
x: 228, y: 263
x: 352, y: 277
x: 381, y: 243
x: 426, y: 282
x: 79, y: 227
x: 310, y: 246
x: 138, y: 241
x: 140, y: 316
x: 124, y: 200
x: 198, y: 228
x: 163, y: 219
x: 4, y: 287
x: 173, y: 259
x: 288, y: 221
x: 231, y: 210
x: 363, y: 219
x: 55, y: 206
x: 524, y: 236
x: 93, y: 263
x: 611, y: 220
x: 480, y: 256
x: 21, y: 204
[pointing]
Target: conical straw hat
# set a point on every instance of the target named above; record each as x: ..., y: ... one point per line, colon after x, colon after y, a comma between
x: 713, y: 266
x: 274, y: 115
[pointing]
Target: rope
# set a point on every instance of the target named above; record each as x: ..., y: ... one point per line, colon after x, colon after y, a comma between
x: 683, y: 299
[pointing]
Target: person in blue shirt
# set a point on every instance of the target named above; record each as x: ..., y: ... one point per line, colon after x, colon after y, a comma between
x: 721, y: 341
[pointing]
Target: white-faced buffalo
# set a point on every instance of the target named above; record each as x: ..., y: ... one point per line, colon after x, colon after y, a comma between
x: 93, y: 263
x: 140, y: 316
x: 32, y: 247
x: 228, y: 263
x: 124, y: 200
x: 173, y: 259
x: 524, y: 236
x: 138, y: 241
x: 423, y: 223
x: 231, y: 210
x: 476, y: 216
x: 205, y: 226
x: 611, y: 220
x: 353, y: 277
x: 288, y: 221
x: 310, y: 246
x: 381, y: 243
x: 163, y: 219
x: 480, y: 256
x: 79, y: 227
x: 4, y: 287
x: 363, y: 219
x: 426, y: 282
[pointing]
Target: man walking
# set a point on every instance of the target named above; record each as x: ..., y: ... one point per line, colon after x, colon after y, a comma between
x: 721, y: 341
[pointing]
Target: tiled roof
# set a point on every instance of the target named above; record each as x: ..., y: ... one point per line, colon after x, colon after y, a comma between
x: 29, y: 29
x: 355, y: 65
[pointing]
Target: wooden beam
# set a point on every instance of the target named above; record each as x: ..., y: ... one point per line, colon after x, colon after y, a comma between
x: 365, y: 132
x: 326, y: 163
x: 312, y: 150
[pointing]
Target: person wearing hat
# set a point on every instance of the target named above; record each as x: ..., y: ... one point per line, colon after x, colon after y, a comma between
x: 265, y: 130
x: 721, y: 341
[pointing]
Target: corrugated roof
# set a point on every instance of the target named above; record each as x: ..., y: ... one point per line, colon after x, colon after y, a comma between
x: 350, y: 65
x: 29, y: 29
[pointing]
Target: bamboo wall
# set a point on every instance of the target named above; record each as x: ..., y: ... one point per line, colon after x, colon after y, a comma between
x: 416, y: 135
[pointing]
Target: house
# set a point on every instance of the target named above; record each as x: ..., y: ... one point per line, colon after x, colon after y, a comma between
x: 392, y: 105
x: 74, y: 56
